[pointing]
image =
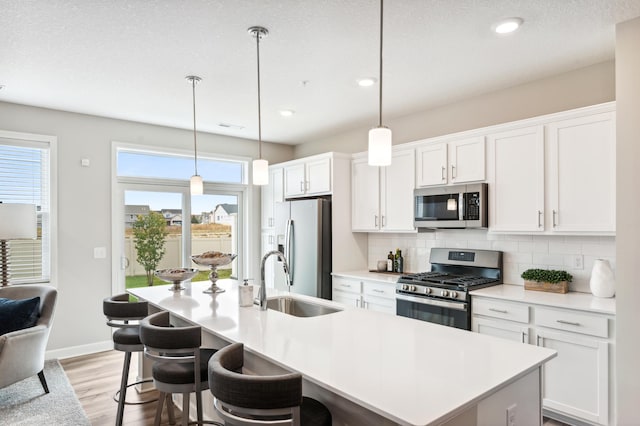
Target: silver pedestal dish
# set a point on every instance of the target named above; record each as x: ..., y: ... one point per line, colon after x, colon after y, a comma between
x: 213, y: 259
x: 176, y: 276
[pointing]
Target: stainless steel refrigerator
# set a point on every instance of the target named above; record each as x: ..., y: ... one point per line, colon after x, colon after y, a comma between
x: 303, y: 235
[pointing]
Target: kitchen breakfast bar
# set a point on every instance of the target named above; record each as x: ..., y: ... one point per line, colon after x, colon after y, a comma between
x: 370, y: 368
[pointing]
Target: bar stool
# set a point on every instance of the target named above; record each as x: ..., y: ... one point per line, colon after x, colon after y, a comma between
x: 180, y: 365
x: 119, y: 312
x: 243, y: 399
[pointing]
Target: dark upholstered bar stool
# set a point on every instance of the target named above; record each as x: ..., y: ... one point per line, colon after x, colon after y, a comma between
x: 243, y: 399
x: 120, y: 312
x: 180, y: 365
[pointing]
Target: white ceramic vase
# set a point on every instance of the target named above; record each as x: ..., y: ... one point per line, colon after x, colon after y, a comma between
x: 602, y: 282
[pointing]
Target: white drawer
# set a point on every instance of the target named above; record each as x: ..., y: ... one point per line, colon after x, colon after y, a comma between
x: 498, y: 309
x: 345, y: 284
x: 372, y: 288
x: 576, y: 322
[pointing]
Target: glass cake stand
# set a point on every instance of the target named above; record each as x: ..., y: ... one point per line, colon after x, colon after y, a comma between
x: 176, y: 276
x: 213, y: 259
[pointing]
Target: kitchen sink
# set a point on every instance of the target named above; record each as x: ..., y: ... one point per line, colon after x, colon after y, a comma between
x: 299, y: 308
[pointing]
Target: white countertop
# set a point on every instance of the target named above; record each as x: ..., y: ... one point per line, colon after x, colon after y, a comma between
x: 571, y: 300
x: 376, y: 360
x: 384, y: 277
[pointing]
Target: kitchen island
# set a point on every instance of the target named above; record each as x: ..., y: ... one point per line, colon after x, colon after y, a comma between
x: 370, y: 367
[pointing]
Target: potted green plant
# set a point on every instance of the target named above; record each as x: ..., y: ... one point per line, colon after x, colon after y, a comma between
x: 547, y: 280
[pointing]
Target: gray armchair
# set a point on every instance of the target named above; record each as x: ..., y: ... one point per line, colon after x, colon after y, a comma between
x: 22, y: 351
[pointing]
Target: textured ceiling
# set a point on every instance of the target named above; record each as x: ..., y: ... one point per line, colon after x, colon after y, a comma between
x: 128, y: 59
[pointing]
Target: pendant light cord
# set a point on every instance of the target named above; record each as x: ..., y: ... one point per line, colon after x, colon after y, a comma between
x: 380, y: 86
x: 258, y: 35
x: 195, y: 143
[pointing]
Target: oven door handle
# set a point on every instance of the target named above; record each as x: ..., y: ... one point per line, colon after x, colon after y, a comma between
x: 459, y: 306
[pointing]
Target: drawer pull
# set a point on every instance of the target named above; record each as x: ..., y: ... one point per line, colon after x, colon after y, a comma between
x: 568, y: 322
x: 345, y: 285
x: 502, y: 311
x: 378, y: 290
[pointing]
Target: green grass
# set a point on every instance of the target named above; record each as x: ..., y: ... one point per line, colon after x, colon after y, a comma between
x: 141, y: 280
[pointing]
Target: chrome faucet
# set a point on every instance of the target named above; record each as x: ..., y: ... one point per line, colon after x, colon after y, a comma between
x: 262, y: 293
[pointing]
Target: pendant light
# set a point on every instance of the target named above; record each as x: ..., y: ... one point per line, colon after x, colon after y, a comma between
x: 260, y: 166
x: 380, y: 137
x: 196, y: 180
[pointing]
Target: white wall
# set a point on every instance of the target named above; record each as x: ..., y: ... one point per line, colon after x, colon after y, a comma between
x: 84, y: 204
x: 628, y: 229
x: 521, y: 252
x: 583, y: 87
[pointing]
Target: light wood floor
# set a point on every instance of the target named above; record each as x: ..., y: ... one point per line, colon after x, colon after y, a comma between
x: 96, y: 378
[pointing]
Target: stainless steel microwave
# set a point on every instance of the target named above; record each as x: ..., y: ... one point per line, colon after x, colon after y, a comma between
x: 456, y: 206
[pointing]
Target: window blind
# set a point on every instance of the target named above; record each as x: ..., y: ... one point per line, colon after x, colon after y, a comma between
x: 24, y: 178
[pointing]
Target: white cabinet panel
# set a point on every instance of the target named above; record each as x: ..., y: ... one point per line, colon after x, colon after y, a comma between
x: 397, y: 198
x: 308, y: 177
x: 576, y: 382
x: 454, y: 162
x: 365, y: 196
x: 294, y: 180
x: 271, y: 194
x: 516, y: 180
x: 467, y: 160
x: 268, y: 244
x: 582, y: 161
x: 432, y: 164
x: 502, y: 329
x: 382, y: 197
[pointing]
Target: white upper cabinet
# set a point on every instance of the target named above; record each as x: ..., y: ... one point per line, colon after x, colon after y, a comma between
x: 451, y: 162
x: 308, y: 177
x: 382, y: 197
x: 555, y: 178
x: 516, y: 180
x: 582, y: 173
x: 271, y: 194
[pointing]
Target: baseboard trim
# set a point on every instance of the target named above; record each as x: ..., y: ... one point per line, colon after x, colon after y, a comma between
x: 79, y: 350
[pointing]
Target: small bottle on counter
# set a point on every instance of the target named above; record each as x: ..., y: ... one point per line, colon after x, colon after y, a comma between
x: 399, y: 261
x: 245, y: 294
x: 390, y: 261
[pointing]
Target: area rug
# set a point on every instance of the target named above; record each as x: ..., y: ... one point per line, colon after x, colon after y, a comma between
x: 25, y: 403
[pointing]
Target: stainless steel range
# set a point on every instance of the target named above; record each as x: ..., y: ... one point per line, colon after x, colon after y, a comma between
x: 442, y: 295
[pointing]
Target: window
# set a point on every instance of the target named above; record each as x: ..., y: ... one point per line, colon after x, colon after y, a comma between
x: 25, y: 178
x: 158, y: 182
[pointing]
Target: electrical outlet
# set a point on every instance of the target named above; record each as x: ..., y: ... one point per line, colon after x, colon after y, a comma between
x: 578, y: 261
x: 511, y: 415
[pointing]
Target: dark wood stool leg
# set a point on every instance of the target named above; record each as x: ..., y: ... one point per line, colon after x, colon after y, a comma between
x: 43, y: 381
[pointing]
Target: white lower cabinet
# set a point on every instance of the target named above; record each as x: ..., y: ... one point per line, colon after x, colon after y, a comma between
x: 376, y: 296
x: 577, y: 384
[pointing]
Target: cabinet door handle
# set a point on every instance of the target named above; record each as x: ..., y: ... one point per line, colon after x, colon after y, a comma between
x: 453, y: 171
x: 376, y: 221
x: 555, y: 213
x: 524, y: 337
x: 383, y: 221
x: 502, y: 311
x: 301, y: 186
x: 357, y: 303
x: 306, y: 185
x: 444, y: 177
x: 539, y: 218
x: 538, y: 340
x: 568, y: 322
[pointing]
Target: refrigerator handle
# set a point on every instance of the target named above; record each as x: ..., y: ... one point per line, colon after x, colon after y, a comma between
x: 289, y: 250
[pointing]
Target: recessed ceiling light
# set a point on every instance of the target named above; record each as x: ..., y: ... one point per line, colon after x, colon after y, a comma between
x: 507, y: 26
x: 366, y: 82
x: 286, y: 112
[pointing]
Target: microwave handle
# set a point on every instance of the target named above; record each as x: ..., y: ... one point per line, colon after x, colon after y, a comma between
x: 461, y: 206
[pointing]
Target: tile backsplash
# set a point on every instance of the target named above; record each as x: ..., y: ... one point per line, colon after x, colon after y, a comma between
x: 575, y: 254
